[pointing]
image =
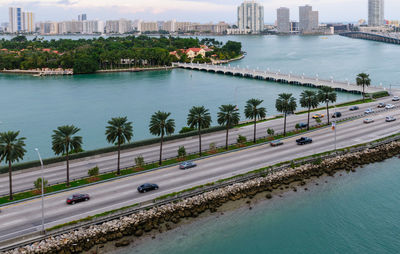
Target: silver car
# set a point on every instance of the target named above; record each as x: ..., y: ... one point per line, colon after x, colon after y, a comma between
x: 369, y: 111
x: 389, y: 106
x: 390, y: 119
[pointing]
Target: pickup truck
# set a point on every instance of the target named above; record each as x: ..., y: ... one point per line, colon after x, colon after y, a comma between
x: 303, y: 141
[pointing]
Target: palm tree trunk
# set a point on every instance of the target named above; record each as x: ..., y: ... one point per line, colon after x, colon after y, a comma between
x: 200, y: 141
x: 255, y: 129
x: 327, y: 110
x: 67, y: 168
x: 308, y: 119
x: 10, y: 179
x: 363, y: 92
x: 284, y: 126
x: 160, y: 161
x: 227, y: 133
x: 119, y: 154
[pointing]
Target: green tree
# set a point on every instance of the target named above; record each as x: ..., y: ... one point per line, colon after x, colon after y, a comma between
x: 253, y: 111
x: 228, y: 116
x: 309, y: 99
x: 11, y: 150
x: 270, y: 131
x: 181, y: 152
x: 285, y: 104
x: 160, y: 125
x: 119, y: 131
x: 38, y: 184
x: 363, y: 80
x: 64, y: 141
x: 241, y: 139
x: 139, y: 161
x: 325, y: 95
x: 94, y: 171
x: 199, y: 118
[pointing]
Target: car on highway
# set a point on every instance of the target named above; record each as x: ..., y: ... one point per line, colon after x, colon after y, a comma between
x: 187, y: 165
x: 147, y: 187
x: 276, y: 143
x: 396, y: 98
x: 303, y: 141
x: 76, y: 198
x: 390, y: 119
x: 353, y: 108
x: 301, y: 125
x: 389, y: 106
x: 368, y: 120
x: 381, y: 105
x: 369, y: 111
x: 337, y: 115
x: 315, y: 116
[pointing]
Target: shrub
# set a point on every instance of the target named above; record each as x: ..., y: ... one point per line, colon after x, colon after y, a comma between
x: 318, y: 120
x: 241, y: 139
x: 213, y: 148
x: 270, y: 131
x: 186, y: 130
x: 93, y: 171
x: 38, y: 184
x: 297, y: 126
x: 379, y: 94
x: 139, y: 161
x: 181, y: 152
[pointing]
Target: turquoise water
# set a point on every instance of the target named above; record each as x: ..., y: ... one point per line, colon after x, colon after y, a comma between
x: 36, y: 106
x: 353, y: 213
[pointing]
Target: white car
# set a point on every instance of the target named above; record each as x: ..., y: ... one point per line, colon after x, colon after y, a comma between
x: 390, y: 119
x: 389, y: 106
x: 369, y: 111
x: 396, y: 98
x: 368, y: 120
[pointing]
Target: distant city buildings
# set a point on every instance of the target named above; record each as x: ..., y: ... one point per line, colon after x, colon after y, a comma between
x: 376, y: 14
x: 82, y: 17
x: 250, y: 16
x: 283, y: 20
x: 308, y: 19
x: 20, y: 21
x: 118, y: 26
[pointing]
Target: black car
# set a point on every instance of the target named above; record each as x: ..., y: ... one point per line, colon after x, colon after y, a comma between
x: 381, y: 105
x: 303, y: 141
x: 354, y: 108
x: 77, y: 198
x: 337, y: 115
x: 187, y: 164
x: 147, y: 187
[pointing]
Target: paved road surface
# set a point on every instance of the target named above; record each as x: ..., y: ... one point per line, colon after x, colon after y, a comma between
x: 25, y: 217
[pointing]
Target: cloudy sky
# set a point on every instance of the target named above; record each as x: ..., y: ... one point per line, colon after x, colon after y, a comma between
x: 189, y: 10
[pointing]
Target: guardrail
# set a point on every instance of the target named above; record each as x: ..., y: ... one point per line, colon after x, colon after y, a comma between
x: 154, y: 202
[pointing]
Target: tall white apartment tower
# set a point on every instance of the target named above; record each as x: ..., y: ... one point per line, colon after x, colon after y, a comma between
x: 251, y: 16
x: 15, y: 19
x: 376, y: 12
x: 283, y: 20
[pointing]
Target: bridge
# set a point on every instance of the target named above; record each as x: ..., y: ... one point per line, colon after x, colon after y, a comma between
x: 280, y: 77
x: 392, y: 38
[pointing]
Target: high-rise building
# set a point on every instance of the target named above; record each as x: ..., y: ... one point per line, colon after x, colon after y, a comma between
x: 15, y: 20
x: 283, y: 20
x: 28, y: 20
x: 147, y: 26
x: 118, y: 26
x: 169, y: 26
x: 251, y: 16
x: 92, y: 26
x: 82, y: 17
x: 376, y: 12
x: 308, y: 19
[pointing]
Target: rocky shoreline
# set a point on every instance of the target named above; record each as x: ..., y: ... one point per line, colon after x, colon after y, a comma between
x: 164, y: 217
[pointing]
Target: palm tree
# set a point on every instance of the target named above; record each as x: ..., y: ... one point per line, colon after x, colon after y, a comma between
x: 64, y: 141
x: 252, y: 111
x: 327, y: 94
x: 363, y: 80
x: 309, y: 100
x: 161, y: 125
x: 285, y: 104
x: 228, y: 116
x: 11, y: 150
x: 199, y: 118
x: 119, y: 131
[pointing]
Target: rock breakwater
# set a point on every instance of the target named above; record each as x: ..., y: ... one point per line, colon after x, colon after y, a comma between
x: 163, y: 216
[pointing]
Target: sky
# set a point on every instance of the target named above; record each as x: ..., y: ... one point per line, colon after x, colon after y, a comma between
x: 189, y: 10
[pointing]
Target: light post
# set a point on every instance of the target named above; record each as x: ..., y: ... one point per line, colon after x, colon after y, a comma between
x: 41, y: 164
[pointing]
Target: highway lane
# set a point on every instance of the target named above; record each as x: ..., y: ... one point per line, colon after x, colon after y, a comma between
x: 56, y: 173
x: 25, y: 217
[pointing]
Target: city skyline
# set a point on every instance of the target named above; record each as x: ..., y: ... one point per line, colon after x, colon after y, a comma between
x: 195, y: 11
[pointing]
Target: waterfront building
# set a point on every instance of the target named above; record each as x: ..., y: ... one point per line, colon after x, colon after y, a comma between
x: 169, y: 26
x: 70, y: 27
x: 308, y: 19
x: 294, y: 26
x: 28, y: 21
x: 283, y: 20
x: 147, y: 26
x: 48, y: 28
x: 92, y: 27
x: 182, y: 26
x: 118, y: 26
x: 82, y: 17
x: 250, y: 15
x: 376, y: 12
x: 15, y: 19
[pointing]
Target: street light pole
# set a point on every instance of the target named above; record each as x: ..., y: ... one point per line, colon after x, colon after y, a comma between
x: 41, y: 163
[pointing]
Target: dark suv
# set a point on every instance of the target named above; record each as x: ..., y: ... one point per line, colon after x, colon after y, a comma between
x: 337, y: 115
x: 147, y: 187
x: 77, y: 198
x: 303, y: 141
